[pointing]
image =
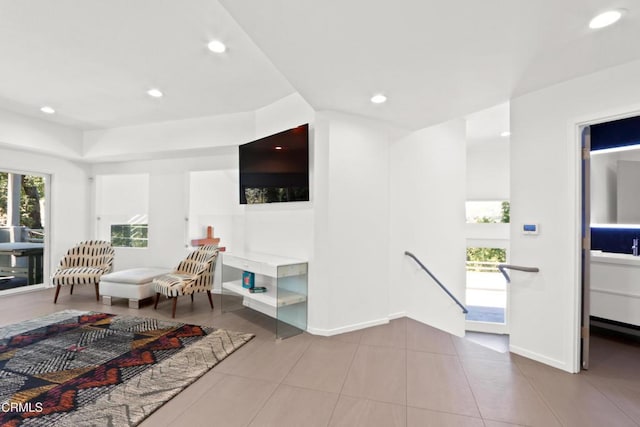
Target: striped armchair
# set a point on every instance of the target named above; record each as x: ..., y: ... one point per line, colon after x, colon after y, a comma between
x: 193, y: 274
x: 84, y: 264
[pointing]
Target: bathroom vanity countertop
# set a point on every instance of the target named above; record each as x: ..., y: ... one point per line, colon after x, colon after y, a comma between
x: 615, y: 258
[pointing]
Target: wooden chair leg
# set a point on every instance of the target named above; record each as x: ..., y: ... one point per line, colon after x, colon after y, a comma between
x: 173, y: 311
x: 55, y: 299
x: 191, y: 297
x: 97, y: 293
x: 71, y: 290
x: 210, y: 299
x: 155, y: 306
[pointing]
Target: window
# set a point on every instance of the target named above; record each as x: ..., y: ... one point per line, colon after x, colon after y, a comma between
x: 129, y: 235
x: 487, y: 212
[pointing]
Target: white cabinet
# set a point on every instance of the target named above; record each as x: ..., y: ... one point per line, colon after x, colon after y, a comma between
x: 615, y: 287
x: 285, y: 280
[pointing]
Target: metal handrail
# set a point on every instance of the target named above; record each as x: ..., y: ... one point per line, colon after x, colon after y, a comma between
x: 444, y: 288
x: 503, y: 267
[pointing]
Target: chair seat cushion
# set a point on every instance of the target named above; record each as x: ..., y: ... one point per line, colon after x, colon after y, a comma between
x: 77, y: 276
x: 172, y: 284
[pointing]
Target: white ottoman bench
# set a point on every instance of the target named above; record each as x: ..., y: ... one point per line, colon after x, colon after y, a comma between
x: 134, y: 284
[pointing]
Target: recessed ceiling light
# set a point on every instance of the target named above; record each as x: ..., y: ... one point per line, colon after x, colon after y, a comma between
x: 378, y: 98
x: 217, y: 46
x: 505, y: 133
x: 156, y: 93
x: 47, y: 110
x: 605, y: 19
x: 278, y: 147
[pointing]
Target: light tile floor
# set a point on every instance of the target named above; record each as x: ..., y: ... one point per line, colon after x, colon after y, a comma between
x: 400, y: 374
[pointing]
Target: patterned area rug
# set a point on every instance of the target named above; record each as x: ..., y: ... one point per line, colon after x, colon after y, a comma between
x: 76, y: 368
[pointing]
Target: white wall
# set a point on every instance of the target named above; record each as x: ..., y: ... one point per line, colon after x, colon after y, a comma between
x: 545, y: 188
x: 213, y: 201
x: 428, y: 190
x: 319, y: 270
x: 488, y: 170
x: 352, y: 223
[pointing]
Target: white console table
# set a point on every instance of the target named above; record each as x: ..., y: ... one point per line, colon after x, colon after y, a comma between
x: 285, y: 279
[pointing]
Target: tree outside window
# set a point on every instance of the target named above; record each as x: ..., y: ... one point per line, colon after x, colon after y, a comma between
x: 32, y: 198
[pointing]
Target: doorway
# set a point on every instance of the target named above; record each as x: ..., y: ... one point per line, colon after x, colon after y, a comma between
x: 486, y: 293
x: 610, y: 228
x: 23, y: 226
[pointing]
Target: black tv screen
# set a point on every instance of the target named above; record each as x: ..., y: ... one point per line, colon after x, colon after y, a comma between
x: 276, y: 168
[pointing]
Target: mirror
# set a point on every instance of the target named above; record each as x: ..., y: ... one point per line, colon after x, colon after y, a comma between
x: 615, y: 175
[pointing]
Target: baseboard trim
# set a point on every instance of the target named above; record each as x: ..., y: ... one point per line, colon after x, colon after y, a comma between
x: 540, y: 358
x: 398, y: 315
x: 348, y: 328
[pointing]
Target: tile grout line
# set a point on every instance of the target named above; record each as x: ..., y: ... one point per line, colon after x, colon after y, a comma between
x: 559, y: 419
x: 457, y: 414
x: 539, y: 394
x: 193, y: 401
x: 344, y: 380
x: 406, y: 373
x: 279, y: 383
x: 609, y: 399
x: 466, y: 378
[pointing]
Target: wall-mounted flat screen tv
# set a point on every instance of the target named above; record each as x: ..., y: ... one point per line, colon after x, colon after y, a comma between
x: 276, y: 168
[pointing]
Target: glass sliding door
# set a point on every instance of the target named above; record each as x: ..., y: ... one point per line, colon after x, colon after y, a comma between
x: 23, y: 217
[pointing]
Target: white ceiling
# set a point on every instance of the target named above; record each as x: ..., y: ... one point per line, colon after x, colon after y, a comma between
x: 93, y: 60
x: 487, y: 125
